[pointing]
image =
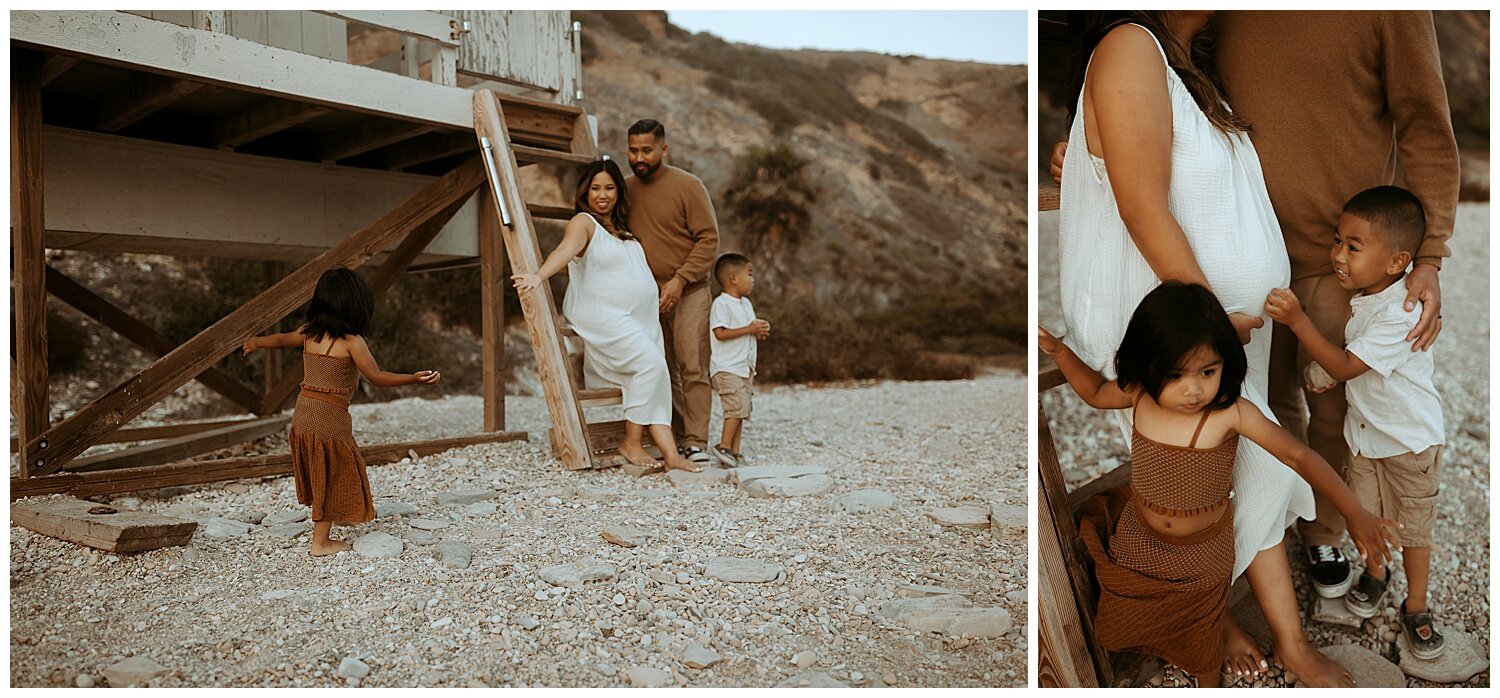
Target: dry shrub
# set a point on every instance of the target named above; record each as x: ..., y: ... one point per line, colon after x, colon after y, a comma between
x: 938, y: 366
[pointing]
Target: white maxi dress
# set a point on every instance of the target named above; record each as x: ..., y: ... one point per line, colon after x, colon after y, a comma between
x: 612, y: 303
x: 1218, y: 196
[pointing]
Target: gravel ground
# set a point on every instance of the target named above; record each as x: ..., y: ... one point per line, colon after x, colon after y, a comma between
x: 1089, y: 444
x: 256, y: 610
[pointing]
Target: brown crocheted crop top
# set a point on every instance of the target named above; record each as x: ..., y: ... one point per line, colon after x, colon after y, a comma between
x: 1182, y: 481
x: 334, y: 375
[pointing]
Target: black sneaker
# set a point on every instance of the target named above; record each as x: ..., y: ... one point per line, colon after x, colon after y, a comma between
x: 1368, y: 596
x: 1426, y: 641
x: 697, y: 455
x: 1330, y: 570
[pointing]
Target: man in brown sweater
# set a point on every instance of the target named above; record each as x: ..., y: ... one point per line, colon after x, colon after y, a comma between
x: 672, y: 215
x: 1335, y: 100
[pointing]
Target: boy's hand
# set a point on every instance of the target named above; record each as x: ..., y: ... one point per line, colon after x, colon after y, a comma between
x: 248, y: 347
x: 428, y: 377
x: 1282, y: 305
x: 1046, y: 341
x: 1371, y: 535
x: 762, y: 328
x: 1059, y: 151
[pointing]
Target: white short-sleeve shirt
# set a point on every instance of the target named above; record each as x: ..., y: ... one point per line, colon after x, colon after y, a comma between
x: 1393, y: 407
x: 737, y: 355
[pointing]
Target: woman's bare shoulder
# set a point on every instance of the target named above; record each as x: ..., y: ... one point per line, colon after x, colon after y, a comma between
x: 1128, y: 47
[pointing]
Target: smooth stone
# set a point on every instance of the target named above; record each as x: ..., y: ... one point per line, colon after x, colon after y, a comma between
x: 378, y: 544
x: 428, y: 524
x: 576, y: 574
x: 812, y: 679
x: 759, y: 472
x: 291, y: 530
x: 740, y: 569
x: 351, y: 668
x: 1462, y: 658
x: 1007, y: 520
x: 455, y: 555
x: 528, y: 623
x: 481, y: 508
x: 465, y: 496
x: 250, y: 517
x: 277, y: 595
x: 648, y: 677
x: 419, y: 537
x: 804, y: 659
x: 223, y: 528
x: 697, y: 656
x: 965, y: 517
x: 135, y: 671
x: 1334, y: 611
x: 384, y: 509
x: 948, y: 614
x: 922, y: 591
x: 624, y: 536
x: 285, y: 517
x: 805, y: 486
x: 1368, y: 668
x: 634, y: 470
x: 83, y: 681
x: 602, y: 495
x: 864, y: 501
x: 683, y: 479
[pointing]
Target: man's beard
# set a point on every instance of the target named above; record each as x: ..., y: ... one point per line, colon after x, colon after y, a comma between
x: 645, y: 169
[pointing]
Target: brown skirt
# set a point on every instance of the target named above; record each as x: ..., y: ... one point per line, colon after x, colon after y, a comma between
x: 326, y: 463
x: 1160, y: 595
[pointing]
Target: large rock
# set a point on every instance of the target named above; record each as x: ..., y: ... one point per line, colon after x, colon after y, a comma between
x: 384, y: 509
x: 1369, y: 669
x: 864, y: 501
x: 1462, y: 658
x: 461, y: 497
x: 740, y: 569
x: 648, y: 677
x: 379, y: 544
x: 812, y: 679
x: 136, y: 671
x: 223, y: 528
x: 602, y: 495
x: 1007, y: 520
x: 290, y: 530
x: 634, y: 470
x: 576, y: 574
x: 685, y: 480
x: 1335, y: 612
x: 351, y: 668
x: 758, y: 472
x: 428, y: 524
x: 455, y: 555
x: 965, y: 517
x: 285, y: 517
x: 624, y: 536
x: 804, y: 486
x: 697, y: 656
x: 949, y: 614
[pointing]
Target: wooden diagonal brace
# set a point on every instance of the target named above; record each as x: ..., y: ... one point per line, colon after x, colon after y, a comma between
x: 140, y: 334
x: 69, y: 438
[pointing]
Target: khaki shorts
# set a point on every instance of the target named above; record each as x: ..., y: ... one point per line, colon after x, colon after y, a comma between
x: 734, y: 392
x: 1401, y: 488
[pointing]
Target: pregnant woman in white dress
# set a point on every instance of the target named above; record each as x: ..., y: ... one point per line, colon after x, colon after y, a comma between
x: 612, y: 303
x: 1156, y: 185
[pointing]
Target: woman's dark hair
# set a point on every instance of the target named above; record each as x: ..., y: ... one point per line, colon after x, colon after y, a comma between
x: 621, y: 213
x: 1171, y: 322
x: 1193, y: 63
x: 341, y: 306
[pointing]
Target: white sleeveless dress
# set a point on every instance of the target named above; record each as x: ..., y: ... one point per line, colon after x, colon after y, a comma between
x: 1218, y: 196
x: 612, y: 303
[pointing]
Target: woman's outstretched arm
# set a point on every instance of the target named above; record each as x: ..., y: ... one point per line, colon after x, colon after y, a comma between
x: 575, y: 241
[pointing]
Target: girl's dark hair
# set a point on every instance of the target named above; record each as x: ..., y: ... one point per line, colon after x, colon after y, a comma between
x: 619, y: 217
x: 341, y: 306
x: 1173, y: 320
x: 1194, y: 63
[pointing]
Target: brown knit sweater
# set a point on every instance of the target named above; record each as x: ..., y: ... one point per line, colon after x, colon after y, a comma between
x: 1334, y: 100
x: 674, y: 219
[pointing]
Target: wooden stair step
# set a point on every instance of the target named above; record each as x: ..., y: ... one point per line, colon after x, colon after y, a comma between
x: 556, y: 213
x: 600, y: 397
x: 526, y: 155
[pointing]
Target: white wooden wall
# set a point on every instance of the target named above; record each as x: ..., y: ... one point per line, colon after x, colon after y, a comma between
x: 304, y: 32
x: 533, y: 48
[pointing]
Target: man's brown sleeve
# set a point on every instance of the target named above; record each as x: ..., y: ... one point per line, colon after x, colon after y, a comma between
x: 704, y: 228
x: 1424, y: 130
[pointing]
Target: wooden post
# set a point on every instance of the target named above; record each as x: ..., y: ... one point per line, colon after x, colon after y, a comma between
x: 570, y: 442
x: 492, y: 283
x: 106, y: 414
x: 29, y: 380
x: 1063, y: 658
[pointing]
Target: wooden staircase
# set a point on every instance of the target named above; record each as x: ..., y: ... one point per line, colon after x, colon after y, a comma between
x: 578, y: 443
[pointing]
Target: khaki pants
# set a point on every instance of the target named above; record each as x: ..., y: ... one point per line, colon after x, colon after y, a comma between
x: 685, y: 334
x: 1402, y: 488
x: 1327, y: 305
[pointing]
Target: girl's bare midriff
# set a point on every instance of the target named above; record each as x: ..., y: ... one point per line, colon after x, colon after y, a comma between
x: 1174, y: 526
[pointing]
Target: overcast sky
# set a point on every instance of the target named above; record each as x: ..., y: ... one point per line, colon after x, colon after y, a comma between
x: 985, y: 37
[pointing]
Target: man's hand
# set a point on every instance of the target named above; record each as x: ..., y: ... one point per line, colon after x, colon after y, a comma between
x: 762, y: 328
x: 1422, y: 285
x: 1059, y: 149
x: 671, y: 293
x: 1243, y: 324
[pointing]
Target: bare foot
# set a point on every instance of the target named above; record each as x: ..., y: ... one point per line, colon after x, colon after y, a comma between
x: 1242, y: 657
x: 330, y: 548
x: 676, y: 462
x: 1313, y: 668
x: 637, y: 455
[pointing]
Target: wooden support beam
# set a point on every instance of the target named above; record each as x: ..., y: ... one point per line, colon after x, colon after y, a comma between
x: 55, y: 66
x: 28, y: 259
x: 556, y: 213
x: 141, y: 97
x: 140, y: 334
x: 367, y: 136
x: 69, y: 438
x: 262, y: 119
x: 444, y: 265
x: 198, y: 472
x: 570, y: 442
x: 426, y: 149
x: 492, y: 282
x: 600, y: 397
x: 165, y: 431
x: 182, y: 447
x: 416, y: 241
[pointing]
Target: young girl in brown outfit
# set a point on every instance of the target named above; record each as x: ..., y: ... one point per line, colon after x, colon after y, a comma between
x: 327, y: 466
x: 1163, y: 548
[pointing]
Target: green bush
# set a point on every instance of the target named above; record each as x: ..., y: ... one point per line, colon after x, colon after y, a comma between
x: 771, y: 200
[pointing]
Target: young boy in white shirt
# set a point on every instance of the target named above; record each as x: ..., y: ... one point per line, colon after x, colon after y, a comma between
x: 1394, y: 425
x: 733, y: 330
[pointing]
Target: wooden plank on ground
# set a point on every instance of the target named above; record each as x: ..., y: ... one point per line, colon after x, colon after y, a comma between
x: 182, y: 447
x: 70, y: 437
x: 28, y: 258
x: 118, y: 531
x: 571, y: 446
x: 492, y: 282
x: 199, y: 472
